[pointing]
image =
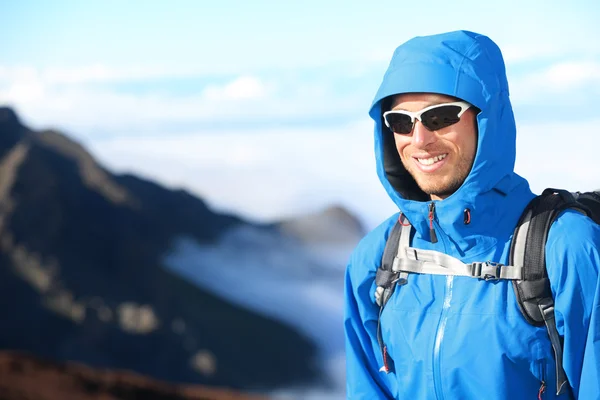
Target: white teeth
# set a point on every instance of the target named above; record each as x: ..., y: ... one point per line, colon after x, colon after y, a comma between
x: 432, y: 160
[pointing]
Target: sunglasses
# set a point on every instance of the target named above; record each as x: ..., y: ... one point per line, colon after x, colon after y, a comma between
x: 433, y: 118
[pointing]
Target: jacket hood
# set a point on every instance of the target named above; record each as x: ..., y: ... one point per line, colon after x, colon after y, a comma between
x: 468, y: 66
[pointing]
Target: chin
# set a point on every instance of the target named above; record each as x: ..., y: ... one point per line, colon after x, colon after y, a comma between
x: 439, y: 189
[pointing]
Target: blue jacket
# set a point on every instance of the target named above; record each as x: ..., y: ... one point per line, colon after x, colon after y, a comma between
x: 454, y: 337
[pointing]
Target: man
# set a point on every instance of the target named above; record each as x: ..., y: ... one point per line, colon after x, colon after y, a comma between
x: 447, y: 161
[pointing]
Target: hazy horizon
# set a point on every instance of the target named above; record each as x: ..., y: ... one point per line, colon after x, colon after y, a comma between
x: 261, y: 108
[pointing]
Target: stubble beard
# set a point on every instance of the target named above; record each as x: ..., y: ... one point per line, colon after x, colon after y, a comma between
x: 440, y: 186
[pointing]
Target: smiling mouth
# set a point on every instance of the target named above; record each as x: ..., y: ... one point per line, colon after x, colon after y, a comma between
x: 431, y: 160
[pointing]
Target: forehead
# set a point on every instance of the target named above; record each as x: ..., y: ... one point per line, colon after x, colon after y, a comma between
x: 421, y: 99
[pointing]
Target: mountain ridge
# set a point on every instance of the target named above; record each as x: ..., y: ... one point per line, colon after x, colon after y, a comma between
x: 81, y: 254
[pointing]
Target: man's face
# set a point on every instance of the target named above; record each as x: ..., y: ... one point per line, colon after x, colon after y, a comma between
x: 441, y: 160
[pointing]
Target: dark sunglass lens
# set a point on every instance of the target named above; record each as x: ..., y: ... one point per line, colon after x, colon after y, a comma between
x: 441, y: 117
x: 399, y: 123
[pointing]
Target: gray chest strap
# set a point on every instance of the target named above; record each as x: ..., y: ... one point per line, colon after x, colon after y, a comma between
x: 433, y: 262
x: 406, y: 259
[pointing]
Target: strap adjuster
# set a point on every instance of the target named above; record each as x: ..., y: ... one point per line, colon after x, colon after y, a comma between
x: 488, y: 271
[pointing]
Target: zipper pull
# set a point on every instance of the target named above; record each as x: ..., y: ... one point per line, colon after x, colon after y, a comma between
x: 432, y: 234
x: 542, y: 390
x: 386, y: 367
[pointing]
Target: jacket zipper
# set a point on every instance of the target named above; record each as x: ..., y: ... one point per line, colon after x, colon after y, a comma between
x: 439, y: 337
x: 542, y: 388
x: 432, y: 234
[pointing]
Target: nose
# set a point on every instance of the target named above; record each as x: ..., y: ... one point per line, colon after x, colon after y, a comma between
x: 421, y: 136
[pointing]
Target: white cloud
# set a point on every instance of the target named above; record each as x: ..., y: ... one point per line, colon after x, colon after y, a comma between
x: 245, y: 87
x: 560, y: 154
x: 21, y: 85
x: 42, y: 101
x: 68, y: 98
x: 46, y: 98
x: 515, y: 53
x: 530, y: 49
x: 24, y: 91
x: 84, y: 100
x: 86, y: 74
x: 569, y: 75
x: 567, y: 81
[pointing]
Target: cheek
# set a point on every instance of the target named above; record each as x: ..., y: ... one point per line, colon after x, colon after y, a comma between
x: 401, y: 143
x: 474, y: 133
x: 473, y: 146
x: 466, y: 139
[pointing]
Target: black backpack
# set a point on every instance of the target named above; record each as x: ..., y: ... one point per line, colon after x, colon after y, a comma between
x: 527, y: 265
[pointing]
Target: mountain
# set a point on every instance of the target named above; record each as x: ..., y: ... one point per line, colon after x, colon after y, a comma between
x: 329, y: 235
x: 333, y: 225
x: 83, y: 274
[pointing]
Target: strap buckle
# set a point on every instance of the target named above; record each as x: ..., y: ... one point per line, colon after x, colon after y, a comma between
x: 488, y: 271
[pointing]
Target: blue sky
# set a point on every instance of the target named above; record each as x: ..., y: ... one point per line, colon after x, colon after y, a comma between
x: 261, y: 106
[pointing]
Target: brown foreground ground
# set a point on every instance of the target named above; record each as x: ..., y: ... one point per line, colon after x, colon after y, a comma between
x: 25, y: 377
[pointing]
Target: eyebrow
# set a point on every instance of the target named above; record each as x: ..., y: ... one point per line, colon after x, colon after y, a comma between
x: 428, y: 105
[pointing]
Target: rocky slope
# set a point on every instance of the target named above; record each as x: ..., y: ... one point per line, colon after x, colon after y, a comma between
x: 74, y: 381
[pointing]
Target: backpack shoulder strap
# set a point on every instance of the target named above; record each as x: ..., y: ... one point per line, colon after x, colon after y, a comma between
x: 387, y: 278
x: 528, y: 249
x: 528, y: 246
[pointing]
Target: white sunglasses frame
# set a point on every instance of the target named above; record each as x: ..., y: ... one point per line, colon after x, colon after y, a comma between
x: 464, y: 106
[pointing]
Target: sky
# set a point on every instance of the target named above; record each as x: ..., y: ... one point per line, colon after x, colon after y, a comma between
x: 260, y: 107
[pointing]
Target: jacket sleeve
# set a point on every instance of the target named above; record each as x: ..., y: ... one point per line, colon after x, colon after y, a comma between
x: 363, y: 379
x: 573, y: 263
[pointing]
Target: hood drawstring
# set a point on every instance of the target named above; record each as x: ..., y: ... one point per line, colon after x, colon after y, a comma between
x: 433, y: 235
x: 431, y: 217
x: 467, y: 216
